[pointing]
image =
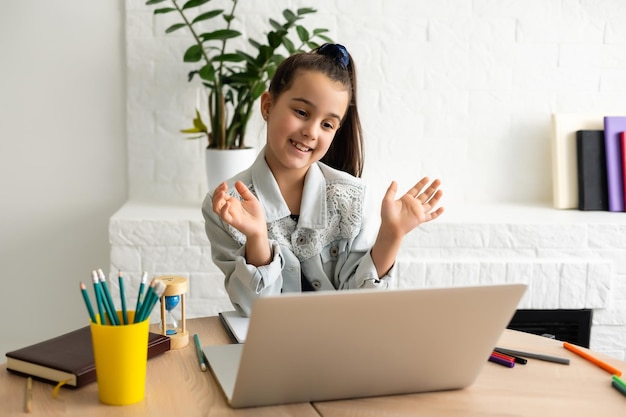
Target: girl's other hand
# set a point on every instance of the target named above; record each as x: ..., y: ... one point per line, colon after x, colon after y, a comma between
x: 246, y: 215
x: 415, y: 207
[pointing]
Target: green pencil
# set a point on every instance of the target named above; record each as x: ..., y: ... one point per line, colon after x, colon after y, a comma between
x: 142, y: 284
x: 108, y: 300
x: 123, y: 297
x: 96, y: 290
x: 92, y: 315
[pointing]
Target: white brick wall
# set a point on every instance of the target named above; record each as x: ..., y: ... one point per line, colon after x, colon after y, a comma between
x: 461, y: 90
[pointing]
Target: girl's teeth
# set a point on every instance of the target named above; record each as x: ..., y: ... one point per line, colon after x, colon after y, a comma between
x: 301, y: 147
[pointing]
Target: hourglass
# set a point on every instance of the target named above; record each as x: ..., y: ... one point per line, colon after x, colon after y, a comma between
x: 172, y: 301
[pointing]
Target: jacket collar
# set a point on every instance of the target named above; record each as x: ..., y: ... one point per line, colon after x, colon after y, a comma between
x: 313, y: 209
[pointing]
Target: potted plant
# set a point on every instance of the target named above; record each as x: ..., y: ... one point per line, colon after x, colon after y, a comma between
x: 234, y: 79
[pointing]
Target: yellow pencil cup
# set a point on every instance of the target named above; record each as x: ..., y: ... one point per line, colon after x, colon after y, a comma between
x: 121, y: 355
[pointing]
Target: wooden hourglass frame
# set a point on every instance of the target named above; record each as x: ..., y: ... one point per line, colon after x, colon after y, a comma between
x: 174, y: 285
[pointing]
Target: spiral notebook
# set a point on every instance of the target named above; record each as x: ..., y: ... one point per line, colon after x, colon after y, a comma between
x: 347, y: 344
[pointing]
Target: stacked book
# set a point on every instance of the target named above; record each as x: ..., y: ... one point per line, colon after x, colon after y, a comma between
x: 589, y: 162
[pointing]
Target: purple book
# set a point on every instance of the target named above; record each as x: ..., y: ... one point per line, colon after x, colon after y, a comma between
x: 613, y: 125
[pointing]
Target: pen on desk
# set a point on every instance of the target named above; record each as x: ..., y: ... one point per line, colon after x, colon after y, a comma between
x: 503, y: 356
x: 619, y: 381
x: 199, y: 352
x: 610, y: 369
x: 28, y: 395
x: 501, y: 361
x: 530, y: 355
x: 620, y: 388
x: 516, y: 359
x: 83, y: 290
x: 123, y: 297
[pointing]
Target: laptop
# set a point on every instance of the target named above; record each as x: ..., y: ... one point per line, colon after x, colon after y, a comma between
x: 322, y: 346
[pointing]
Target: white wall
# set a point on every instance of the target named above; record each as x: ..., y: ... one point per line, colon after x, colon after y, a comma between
x: 62, y: 158
x: 462, y: 89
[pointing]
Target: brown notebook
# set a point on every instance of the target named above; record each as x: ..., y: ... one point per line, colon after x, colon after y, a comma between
x: 68, y: 357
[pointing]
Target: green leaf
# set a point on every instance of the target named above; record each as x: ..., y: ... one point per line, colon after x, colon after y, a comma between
x: 291, y: 48
x: 207, y: 15
x: 313, y: 45
x: 221, y: 35
x: 228, y: 58
x: 190, y: 130
x: 254, y: 43
x: 175, y: 27
x: 274, y: 39
x: 303, y: 34
x: 194, y: 3
x: 247, y: 57
x: 228, y: 17
x: 289, y: 15
x: 207, y: 73
x: 164, y: 10
x: 326, y: 38
x: 151, y: 2
x: 306, y: 10
x: 276, y: 25
x: 193, y: 54
x: 258, y: 90
x: 319, y: 31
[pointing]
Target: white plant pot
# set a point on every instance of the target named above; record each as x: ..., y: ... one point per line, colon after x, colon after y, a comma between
x: 221, y: 164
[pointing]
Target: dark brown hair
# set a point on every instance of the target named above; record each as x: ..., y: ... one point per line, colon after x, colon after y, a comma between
x: 346, y: 150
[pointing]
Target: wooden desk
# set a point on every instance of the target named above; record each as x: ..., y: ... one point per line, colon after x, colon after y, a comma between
x: 176, y: 387
x: 536, y: 389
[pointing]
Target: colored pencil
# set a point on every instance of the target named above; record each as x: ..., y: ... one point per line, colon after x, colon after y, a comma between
x: 503, y: 356
x: 201, y: 361
x: 517, y: 359
x: 142, y: 284
x: 144, y: 303
x: 620, y: 388
x: 603, y: 365
x: 500, y: 361
x: 530, y: 355
x: 120, y: 279
x: 96, y: 290
x: 108, y: 300
x: 159, y: 289
x: 92, y: 315
x: 619, y: 381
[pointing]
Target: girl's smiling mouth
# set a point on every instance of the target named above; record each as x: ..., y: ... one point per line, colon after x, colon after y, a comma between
x: 300, y: 146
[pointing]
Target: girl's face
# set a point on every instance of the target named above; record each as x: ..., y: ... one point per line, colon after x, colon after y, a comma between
x: 302, y: 122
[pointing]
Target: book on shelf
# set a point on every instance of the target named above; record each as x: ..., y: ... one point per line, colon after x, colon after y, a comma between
x: 564, y: 162
x: 236, y: 324
x: 622, y: 141
x: 613, y: 126
x: 591, y: 164
x: 68, y: 357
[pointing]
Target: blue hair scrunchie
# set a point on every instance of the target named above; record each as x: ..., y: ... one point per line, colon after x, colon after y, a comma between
x: 335, y: 51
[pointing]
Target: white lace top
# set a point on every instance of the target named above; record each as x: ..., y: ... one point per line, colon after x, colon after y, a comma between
x: 329, y: 245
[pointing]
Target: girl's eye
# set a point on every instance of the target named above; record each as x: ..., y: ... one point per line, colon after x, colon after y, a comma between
x: 328, y: 125
x: 301, y: 113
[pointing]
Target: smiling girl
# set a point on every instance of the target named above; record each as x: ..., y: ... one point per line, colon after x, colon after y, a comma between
x: 296, y: 220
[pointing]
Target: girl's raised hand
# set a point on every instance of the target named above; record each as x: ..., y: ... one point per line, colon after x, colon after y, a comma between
x: 417, y: 206
x: 246, y: 215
